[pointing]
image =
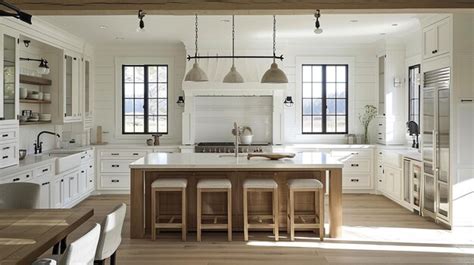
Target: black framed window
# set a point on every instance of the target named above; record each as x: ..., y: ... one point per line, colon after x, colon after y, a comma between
x: 144, y: 99
x: 325, y: 98
x: 414, y: 88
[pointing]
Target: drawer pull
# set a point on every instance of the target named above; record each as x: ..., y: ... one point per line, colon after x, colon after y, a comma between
x: 27, y: 176
x: 115, y: 165
x: 5, y: 135
x: 354, y: 165
x: 355, y: 153
x: 135, y: 154
x: 6, y: 148
x: 45, y: 170
x: 4, y: 157
x: 44, y: 184
x: 380, y: 138
x: 90, y: 166
x: 82, y: 157
x: 354, y: 180
x: 114, y: 154
x: 71, y: 178
x: 115, y: 181
x: 16, y: 179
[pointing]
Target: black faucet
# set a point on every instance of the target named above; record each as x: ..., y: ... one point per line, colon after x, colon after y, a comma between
x: 39, y: 145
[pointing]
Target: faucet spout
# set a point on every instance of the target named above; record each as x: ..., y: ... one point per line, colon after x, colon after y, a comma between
x: 236, y: 132
x: 39, y: 145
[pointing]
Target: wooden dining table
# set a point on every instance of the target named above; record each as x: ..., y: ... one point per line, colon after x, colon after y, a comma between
x: 25, y: 234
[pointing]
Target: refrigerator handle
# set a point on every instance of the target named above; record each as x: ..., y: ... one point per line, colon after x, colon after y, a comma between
x: 435, y: 150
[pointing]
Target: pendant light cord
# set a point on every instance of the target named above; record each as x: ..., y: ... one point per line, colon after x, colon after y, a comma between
x: 274, y: 38
x: 233, y: 39
x: 196, y: 38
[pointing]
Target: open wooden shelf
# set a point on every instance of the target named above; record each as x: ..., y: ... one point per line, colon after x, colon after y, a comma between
x: 34, y: 122
x: 34, y: 80
x: 35, y: 101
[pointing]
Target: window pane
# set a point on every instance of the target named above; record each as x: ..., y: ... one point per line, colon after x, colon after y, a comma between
x: 330, y: 74
x: 162, y: 90
x: 163, y: 107
x: 331, y: 90
x: 317, y: 74
x: 341, y: 90
x: 306, y: 90
x: 317, y: 124
x: 162, y: 124
x: 341, y: 74
x: 307, y: 74
x: 331, y: 124
x: 153, y: 124
x: 139, y: 106
x: 139, y: 124
x: 163, y: 74
x: 341, y: 123
x: 139, y: 73
x: 317, y: 90
x: 153, y: 90
x: 317, y: 107
x: 128, y: 74
x: 128, y: 107
x: 152, y: 74
x: 341, y: 106
x: 129, y: 90
x: 306, y: 106
x: 129, y: 128
x: 331, y: 106
x: 307, y: 124
x: 139, y: 90
x: 153, y: 107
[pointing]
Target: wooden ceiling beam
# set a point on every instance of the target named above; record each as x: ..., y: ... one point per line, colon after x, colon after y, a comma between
x: 216, y: 7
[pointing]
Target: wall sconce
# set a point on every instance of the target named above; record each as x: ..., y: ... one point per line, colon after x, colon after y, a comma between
x: 43, y: 66
x: 180, y: 101
x: 397, y: 82
x: 288, y: 101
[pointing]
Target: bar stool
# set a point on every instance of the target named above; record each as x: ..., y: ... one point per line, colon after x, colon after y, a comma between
x: 305, y: 185
x: 214, y: 186
x: 168, y: 185
x: 261, y: 185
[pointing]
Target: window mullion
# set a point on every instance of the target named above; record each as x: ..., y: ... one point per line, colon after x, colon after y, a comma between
x: 145, y: 105
x: 324, y: 103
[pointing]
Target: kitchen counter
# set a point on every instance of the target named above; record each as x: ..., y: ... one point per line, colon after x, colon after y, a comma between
x: 196, y: 166
x: 135, y: 145
x: 325, y: 146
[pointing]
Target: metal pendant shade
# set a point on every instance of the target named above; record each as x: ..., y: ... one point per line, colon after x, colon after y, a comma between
x: 274, y: 74
x: 233, y: 76
x: 196, y: 74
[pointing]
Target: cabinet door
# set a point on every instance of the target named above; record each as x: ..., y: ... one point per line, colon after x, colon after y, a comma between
x: 82, y: 181
x: 443, y: 37
x: 90, y: 176
x: 45, y: 195
x: 430, y: 41
x: 71, y: 88
x: 10, y: 78
x: 73, y: 185
x: 393, y: 182
x: 58, y: 193
x: 87, y: 88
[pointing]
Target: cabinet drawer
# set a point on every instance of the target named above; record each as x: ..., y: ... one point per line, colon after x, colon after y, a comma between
x: 354, y: 181
x: 357, y: 166
x: 9, y: 134
x: 21, y: 177
x: 351, y: 154
x: 8, y: 155
x: 123, y: 154
x: 115, y: 166
x: 41, y: 171
x: 115, y: 182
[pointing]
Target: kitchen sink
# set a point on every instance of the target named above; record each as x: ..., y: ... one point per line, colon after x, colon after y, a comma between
x: 65, y: 161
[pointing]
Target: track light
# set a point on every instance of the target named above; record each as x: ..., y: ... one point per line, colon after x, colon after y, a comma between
x: 25, y: 17
x: 141, y: 23
x: 317, y: 30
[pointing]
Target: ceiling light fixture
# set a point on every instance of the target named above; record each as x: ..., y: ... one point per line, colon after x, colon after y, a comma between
x: 196, y: 74
x: 274, y: 74
x: 318, y: 29
x: 233, y: 76
x: 43, y: 66
x: 18, y: 14
x: 141, y: 23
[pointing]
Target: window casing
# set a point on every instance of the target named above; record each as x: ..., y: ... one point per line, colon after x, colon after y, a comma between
x: 145, y: 99
x: 325, y: 98
x: 414, y: 89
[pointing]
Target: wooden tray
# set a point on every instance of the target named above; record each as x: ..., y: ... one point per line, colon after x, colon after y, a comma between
x: 271, y: 156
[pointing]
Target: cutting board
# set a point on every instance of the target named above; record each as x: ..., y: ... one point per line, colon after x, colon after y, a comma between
x: 271, y: 156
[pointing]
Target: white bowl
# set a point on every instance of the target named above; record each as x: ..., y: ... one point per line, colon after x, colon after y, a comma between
x: 246, y: 139
x: 34, y: 96
x: 47, y: 96
x: 45, y: 117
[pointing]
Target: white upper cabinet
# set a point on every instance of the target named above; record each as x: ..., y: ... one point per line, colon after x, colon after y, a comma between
x: 87, y: 89
x: 72, y: 90
x: 9, y: 80
x: 436, y: 39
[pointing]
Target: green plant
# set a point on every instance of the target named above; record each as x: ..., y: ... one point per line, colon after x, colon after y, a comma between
x: 367, y: 115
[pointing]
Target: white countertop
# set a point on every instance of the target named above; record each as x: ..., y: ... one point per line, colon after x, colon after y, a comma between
x: 326, y: 146
x: 308, y: 160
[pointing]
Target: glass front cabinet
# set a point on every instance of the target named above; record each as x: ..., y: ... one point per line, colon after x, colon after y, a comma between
x: 71, y: 93
x: 10, y: 78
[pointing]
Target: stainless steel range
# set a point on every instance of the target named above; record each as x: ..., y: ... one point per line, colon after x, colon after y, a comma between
x: 229, y: 147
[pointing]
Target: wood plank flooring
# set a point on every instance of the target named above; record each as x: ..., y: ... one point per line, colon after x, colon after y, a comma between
x: 376, y: 231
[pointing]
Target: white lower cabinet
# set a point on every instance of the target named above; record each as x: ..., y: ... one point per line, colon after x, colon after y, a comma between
x: 393, y: 182
x: 46, y: 194
x: 58, y: 192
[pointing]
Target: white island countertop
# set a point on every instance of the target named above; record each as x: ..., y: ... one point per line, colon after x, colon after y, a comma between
x: 305, y: 160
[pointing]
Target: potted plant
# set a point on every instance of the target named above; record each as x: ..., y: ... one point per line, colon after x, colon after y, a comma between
x: 367, y: 115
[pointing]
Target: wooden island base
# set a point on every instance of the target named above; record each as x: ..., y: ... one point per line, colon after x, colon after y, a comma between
x: 170, y: 204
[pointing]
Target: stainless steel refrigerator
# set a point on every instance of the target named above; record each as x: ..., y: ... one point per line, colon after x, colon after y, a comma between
x: 435, y: 144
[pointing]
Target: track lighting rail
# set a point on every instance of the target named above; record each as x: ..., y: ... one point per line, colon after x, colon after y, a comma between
x: 236, y: 57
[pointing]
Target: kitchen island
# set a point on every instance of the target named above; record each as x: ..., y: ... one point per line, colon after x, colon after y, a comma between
x: 195, y: 166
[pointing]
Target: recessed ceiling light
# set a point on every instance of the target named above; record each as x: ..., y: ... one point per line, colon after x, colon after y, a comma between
x: 394, y: 25
x: 102, y: 27
x: 119, y: 38
x: 354, y: 20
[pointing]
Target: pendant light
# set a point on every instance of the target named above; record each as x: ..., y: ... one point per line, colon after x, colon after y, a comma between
x: 317, y: 25
x: 274, y: 74
x: 233, y: 76
x: 196, y: 74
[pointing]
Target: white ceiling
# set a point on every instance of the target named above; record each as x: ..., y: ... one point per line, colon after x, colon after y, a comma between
x: 174, y: 29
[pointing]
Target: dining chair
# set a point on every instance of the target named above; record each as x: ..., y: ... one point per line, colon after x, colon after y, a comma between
x: 81, y: 251
x: 111, y: 235
x: 19, y: 195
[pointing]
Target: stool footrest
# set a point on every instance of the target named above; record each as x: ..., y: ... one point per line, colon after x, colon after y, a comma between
x: 213, y: 226
x: 168, y: 225
x: 252, y: 226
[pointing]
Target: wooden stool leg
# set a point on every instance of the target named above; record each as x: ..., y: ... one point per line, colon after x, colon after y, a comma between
x: 288, y: 212
x: 246, y: 220
x: 153, y: 214
x: 321, y: 215
x: 292, y: 215
x: 276, y: 215
x: 229, y: 214
x: 183, y: 214
x: 198, y: 214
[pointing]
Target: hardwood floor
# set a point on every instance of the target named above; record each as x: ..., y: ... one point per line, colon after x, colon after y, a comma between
x: 376, y: 231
